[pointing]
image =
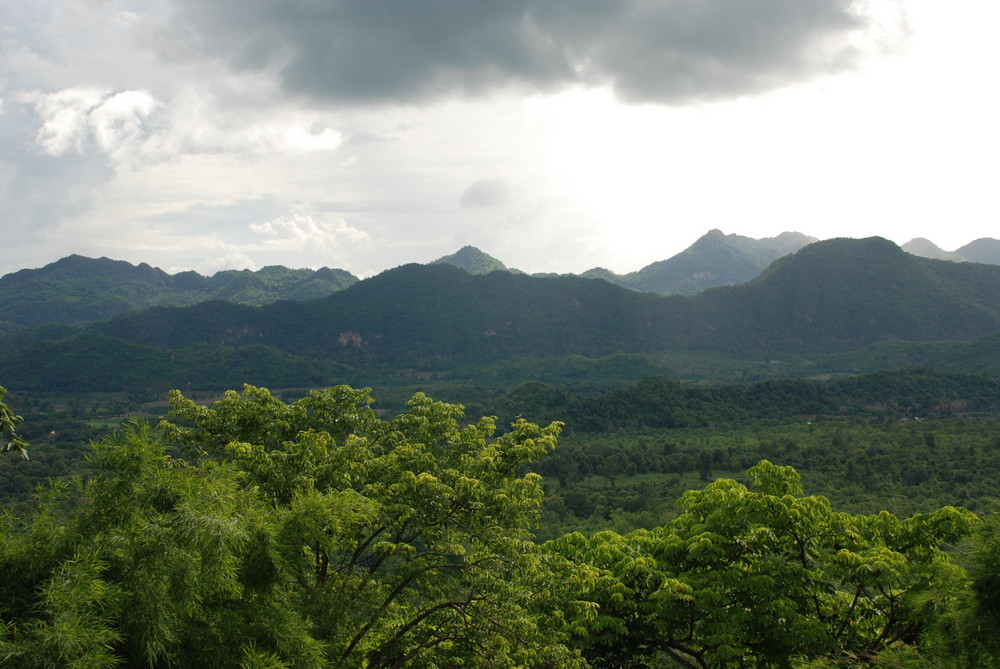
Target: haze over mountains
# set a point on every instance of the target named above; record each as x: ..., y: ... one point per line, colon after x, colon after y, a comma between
x: 77, y: 290
x: 986, y: 250
x: 840, y: 297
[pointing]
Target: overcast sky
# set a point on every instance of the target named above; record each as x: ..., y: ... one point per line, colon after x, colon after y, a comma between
x: 556, y: 135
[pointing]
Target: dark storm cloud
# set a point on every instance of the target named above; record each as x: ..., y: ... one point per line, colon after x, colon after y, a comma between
x: 667, y: 51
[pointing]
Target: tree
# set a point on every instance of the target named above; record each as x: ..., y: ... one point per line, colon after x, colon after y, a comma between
x: 8, y: 423
x: 761, y: 576
x: 303, y: 534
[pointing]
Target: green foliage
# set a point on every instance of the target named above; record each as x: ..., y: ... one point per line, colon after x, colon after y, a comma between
x: 716, y: 259
x: 58, y: 448
x: 8, y: 423
x: 298, y: 535
x: 255, y: 532
x: 760, y: 576
x: 84, y: 290
x: 628, y: 479
x: 93, y: 362
x: 657, y: 402
x: 473, y: 261
x: 797, y: 318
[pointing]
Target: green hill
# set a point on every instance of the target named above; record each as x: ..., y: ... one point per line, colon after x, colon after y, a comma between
x: 984, y: 250
x: 473, y: 261
x: 714, y: 260
x: 78, y: 290
x: 925, y: 248
x: 830, y: 297
x: 849, y: 293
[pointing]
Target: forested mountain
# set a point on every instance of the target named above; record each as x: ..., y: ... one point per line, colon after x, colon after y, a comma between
x: 716, y: 259
x: 847, y: 293
x: 322, y: 533
x: 473, y: 261
x: 834, y: 294
x: 925, y: 248
x: 828, y: 298
x: 984, y: 250
x: 76, y: 290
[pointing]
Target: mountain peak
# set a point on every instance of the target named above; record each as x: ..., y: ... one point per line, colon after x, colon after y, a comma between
x: 472, y: 260
x: 714, y: 259
x: 925, y: 248
x: 985, y: 250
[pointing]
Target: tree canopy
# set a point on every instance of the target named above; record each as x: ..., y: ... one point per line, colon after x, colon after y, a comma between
x: 258, y: 533
x: 300, y: 534
x: 8, y: 423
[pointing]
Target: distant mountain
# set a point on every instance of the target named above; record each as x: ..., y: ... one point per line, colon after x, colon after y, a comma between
x: 986, y: 250
x: 832, y: 296
x: 79, y: 290
x: 473, y: 261
x: 925, y: 248
x: 716, y: 259
x: 848, y: 293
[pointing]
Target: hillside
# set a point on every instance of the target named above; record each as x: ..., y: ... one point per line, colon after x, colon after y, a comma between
x: 984, y: 250
x: 716, y: 259
x: 79, y: 290
x: 473, y: 261
x: 925, y: 248
x: 830, y: 297
x: 848, y: 293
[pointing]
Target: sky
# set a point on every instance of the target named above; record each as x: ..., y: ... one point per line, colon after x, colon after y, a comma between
x: 555, y: 135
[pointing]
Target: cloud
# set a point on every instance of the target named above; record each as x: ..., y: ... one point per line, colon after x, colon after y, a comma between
x: 300, y: 230
x: 402, y: 51
x: 76, y: 119
x: 486, y: 193
x: 232, y: 260
x: 122, y: 126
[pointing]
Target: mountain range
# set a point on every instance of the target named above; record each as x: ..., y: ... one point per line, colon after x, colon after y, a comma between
x: 838, y: 297
x: 985, y: 250
x: 77, y: 290
x: 716, y: 259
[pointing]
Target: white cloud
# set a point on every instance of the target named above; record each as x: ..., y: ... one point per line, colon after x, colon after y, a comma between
x: 115, y: 140
x: 121, y: 125
x: 299, y: 230
x: 232, y: 260
x: 290, y: 137
x: 118, y: 124
x: 64, y: 118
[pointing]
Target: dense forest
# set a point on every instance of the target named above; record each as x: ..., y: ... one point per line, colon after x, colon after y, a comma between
x: 796, y: 471
x: 255, y: 532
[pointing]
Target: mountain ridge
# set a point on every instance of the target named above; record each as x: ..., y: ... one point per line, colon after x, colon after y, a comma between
x: 829, y: 297
x: 77, y: 290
